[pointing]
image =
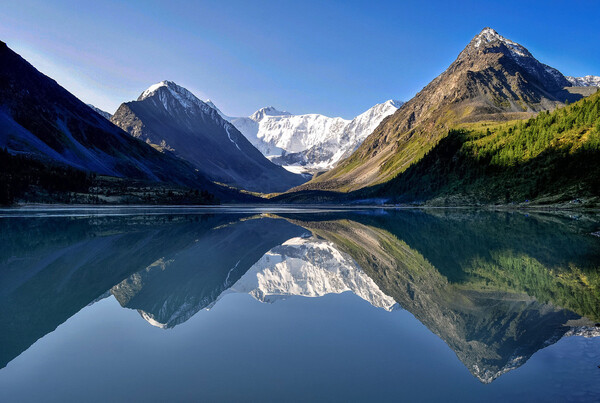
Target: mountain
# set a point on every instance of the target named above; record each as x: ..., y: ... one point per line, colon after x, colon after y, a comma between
x: 41, y: 120
x: 172, y: 119
x: 552, y: 158
x: 587, y: 81
x: 275, y: 132
x: 308, y: 267
x: 310, y: 142
x: 212, y: 105
x: 100, y: 112
x: 493, y: 79
x: 335, y: 145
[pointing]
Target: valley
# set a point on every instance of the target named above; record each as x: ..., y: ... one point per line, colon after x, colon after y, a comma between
x: 497, y: 127
x: 309, y: 201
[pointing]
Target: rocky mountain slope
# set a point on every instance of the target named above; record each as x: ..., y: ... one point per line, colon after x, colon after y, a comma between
x: 174, y: 288
x: 51, y: 268
x: 171, y: 290
x: 173, y: 120
x: 493, y: 78
x: 310, y: 142
x: 42, y: 120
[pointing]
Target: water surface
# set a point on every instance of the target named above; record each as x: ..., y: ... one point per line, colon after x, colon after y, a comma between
x: 293, y: 304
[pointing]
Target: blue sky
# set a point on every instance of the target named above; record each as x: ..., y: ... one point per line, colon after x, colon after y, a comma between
x: 333, y: 57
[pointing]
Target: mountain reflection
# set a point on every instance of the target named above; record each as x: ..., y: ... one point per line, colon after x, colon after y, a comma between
x: 308, y: 267
x: 489, y: 284
x: 175, y: 287
x: 496, y: 287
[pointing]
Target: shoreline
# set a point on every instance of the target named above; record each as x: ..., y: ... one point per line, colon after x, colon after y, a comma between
x: 299, y: 206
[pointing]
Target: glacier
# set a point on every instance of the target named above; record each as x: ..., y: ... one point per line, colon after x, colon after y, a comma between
x: 308, y: 142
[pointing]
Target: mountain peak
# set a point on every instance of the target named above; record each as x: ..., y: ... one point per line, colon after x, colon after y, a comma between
x: 489, y: 34
x: 267, y: 111
x: 490, y: 41
x: 489, y: 37
x: 153, y: 88
x: 171, y: 118
x: 181, y: 94
x: 394, y: 102
x: 493, y: 78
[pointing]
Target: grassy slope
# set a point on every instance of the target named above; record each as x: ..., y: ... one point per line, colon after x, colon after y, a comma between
x: 552, y: 155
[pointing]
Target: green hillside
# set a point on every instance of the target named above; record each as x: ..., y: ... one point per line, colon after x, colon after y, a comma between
x: 551, y: 157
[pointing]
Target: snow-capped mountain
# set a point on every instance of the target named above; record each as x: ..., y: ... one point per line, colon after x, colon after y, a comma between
x: 171, y: 118
x: 587, y: 81
x: 326, y: 154
x: 42, y: 120
x: 176, y: 286
x: 100, y: 112
x: 308, y: 267
x: 272, y: 260
x: 251, y: 128
x: 312, y: 141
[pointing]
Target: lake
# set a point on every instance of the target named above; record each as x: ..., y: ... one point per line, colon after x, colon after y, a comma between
x: 298, y: 304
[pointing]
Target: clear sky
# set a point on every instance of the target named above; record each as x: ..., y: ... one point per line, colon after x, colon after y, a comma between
x: 333, y: 57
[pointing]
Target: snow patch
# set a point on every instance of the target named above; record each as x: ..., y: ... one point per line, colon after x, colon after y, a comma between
x: 489, y: 35
x: 181, y: 95
x: 586, y: 81
x: 230, y: 139
x: 322, y: 140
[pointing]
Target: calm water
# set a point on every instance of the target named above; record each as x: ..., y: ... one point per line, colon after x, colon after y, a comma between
x: 163, y: 304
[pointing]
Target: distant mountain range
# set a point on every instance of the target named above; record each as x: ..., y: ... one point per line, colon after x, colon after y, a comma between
x: 587, y: 81
x: 172, y: 119
x: 310, y: 142
x: 308, y: 267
